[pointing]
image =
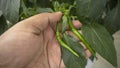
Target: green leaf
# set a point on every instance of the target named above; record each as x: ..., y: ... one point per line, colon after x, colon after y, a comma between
x: 0, y: 13
x: 65, y: 1
x: 112, y: 20
x: 31, y: 12
x: 33, y: 1
x: 40, y: 10
x: 90, y: 9
x: 70, y: 60
x: 10, y: 9
x: 44, y: 3
x: 101, y: 41
x: 23, y: 10
x: 56, y: 6
x: 3, y: 24
x: 74, y: 44
x: 64, y: 23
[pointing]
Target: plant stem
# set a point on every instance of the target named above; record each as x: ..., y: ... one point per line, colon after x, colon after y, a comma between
x: 80, y: 36
x: 62, y: 43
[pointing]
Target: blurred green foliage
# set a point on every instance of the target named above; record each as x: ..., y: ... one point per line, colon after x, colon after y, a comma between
x: 95, y: 15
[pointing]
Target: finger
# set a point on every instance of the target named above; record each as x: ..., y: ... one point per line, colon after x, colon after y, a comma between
x: 87, y: 52
x: 52, y: 18
x: 62, y: 65
x: 39, y: 22
x: 44, y: 19
x: 77, y: 23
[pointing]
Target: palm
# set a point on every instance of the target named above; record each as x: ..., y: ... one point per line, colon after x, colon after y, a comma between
x: 32, y: 43
x: 51, y: 56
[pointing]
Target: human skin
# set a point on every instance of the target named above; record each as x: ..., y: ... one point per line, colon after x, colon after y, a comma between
x: 31, y: 43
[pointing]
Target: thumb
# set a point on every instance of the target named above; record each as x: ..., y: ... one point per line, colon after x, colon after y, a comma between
x: 39, y: 22
x: 44, y: 19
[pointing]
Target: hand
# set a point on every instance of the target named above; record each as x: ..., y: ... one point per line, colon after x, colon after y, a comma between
x: 31, y: 43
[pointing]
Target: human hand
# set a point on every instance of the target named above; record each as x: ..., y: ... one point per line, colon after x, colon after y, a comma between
x: 31, y: 43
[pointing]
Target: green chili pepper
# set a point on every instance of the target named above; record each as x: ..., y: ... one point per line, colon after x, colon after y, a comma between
x: 80, y: 36
x: 66, y: 16
x: 62, y: 43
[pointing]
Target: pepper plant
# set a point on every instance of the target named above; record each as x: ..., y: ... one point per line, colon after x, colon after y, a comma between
x: 99, y: 18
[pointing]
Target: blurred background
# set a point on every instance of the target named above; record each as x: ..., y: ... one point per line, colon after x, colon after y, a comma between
x: 13, y: 11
